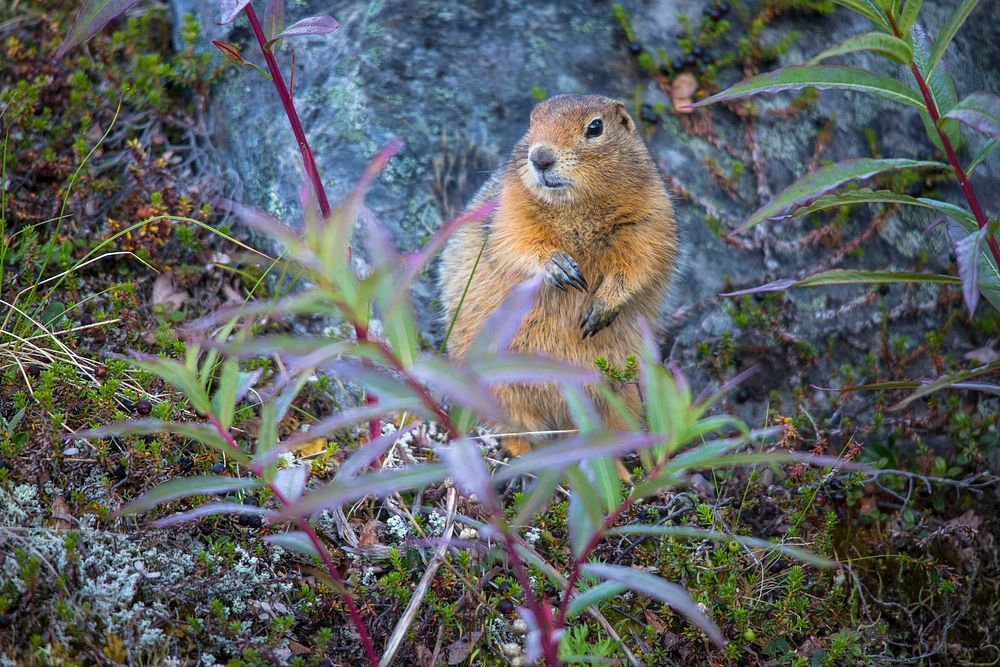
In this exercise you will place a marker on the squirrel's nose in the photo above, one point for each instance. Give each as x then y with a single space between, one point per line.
542 157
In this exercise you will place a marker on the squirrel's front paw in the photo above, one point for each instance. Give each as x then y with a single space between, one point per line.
562 270
597 316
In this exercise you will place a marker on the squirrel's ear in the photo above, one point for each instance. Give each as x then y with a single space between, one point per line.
624 118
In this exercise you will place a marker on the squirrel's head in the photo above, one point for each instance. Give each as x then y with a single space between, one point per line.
579 147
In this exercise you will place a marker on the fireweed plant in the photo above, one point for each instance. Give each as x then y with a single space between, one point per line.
677 436
925 85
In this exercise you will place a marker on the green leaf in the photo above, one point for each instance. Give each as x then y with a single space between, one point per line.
92 16
911 10
179 375
847 277
868 9
822 77
376 484
825 179
224 400
593 596
203 433
186 487
879 42
946 381
295 541
700 534
869 196
658 589
584 517
949 31
981 274
941 87
988 148
980 111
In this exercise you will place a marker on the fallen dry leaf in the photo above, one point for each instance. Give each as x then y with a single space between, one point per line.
681 90
166 294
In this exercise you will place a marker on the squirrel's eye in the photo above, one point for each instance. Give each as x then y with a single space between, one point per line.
595 128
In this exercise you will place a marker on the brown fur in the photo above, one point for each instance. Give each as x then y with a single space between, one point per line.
615 220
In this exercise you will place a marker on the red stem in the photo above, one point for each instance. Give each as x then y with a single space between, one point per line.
960 175
352 608
308 161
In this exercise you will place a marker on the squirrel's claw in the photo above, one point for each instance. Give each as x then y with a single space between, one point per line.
562 270
597 317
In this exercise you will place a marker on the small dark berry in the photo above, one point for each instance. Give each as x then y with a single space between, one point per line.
6 620
218 468
701 68
86 320
758 297
698 52
725 8
185 463
34 370
952 257
690 60
4 465
716 15
120 472
839 496
741 395
101 372
707 58
777 566
251 520
883 290
503 586
664 70
143 406
505 606
650 116
325 662
708 10
250 500
551 590
635 48
680 34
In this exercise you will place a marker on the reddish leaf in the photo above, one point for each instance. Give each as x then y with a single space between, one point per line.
314 25
93 15
230 52
230 9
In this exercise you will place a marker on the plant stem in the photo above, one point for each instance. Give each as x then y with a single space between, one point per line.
324 554
539 608
960 175
293 117
308 161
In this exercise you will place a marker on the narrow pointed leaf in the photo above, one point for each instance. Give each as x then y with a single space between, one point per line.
941 87
230 52
950 29
295 541
868 9
887 45
797 553
458 385
274 18
869 196
593 596
822 77
186 487
230 9
848 277
537 498
987 150
377 484
980 111
977 262
907 17
465 462
92 16
576 449
370 451
203 433
824 179
946 381
211 509
503 324
291 481
967 253
530 370
313 25
659 589
177 374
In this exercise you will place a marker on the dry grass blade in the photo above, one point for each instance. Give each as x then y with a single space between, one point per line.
406 620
